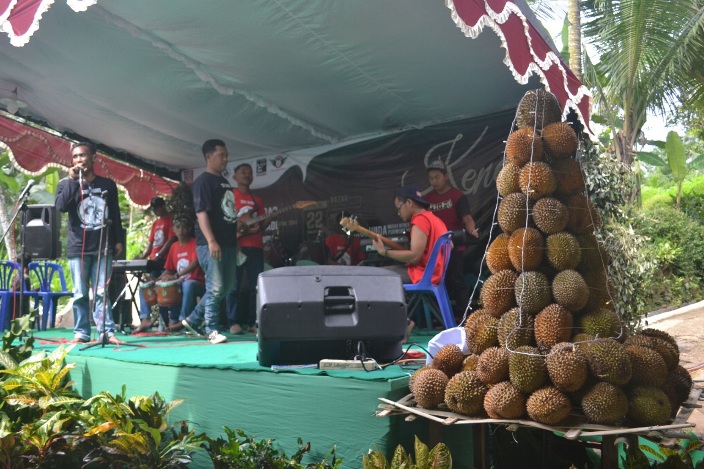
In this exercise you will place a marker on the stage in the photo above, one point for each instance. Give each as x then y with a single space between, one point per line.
223 385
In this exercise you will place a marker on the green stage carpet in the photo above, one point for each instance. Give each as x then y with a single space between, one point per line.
223 385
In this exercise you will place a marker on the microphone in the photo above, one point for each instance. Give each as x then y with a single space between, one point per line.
25 191
80 177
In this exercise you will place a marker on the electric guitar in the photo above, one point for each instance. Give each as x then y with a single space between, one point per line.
350 224
246 223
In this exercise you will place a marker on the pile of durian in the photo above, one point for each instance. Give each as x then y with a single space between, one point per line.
548 343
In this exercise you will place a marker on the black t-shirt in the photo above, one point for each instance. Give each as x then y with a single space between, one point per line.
213 194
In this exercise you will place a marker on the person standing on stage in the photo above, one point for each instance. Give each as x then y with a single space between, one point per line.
161 237
250 240
90 200
452 207
216 239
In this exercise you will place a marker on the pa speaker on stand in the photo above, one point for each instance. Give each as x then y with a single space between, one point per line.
41 232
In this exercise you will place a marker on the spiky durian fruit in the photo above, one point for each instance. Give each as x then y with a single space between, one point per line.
609 361
525 249
448 360
418 372
601 290
429 387
548 405
536 180
563 251
481 334
537 109
492 366
602 322
677 386
526 369
553 325
550 215
582 338
507 179
648 366
559 140
514 210
650 332
495 294
465 393
470 362
594 256
505 401
497 258
522 146
605 404
583 216
567 367
569 177
668 351
533 291
570 290
515 328
648 405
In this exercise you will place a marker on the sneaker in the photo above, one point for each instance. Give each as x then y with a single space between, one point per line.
252 330
216 338
190 328
236 329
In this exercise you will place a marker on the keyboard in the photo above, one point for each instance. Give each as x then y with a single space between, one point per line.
135 265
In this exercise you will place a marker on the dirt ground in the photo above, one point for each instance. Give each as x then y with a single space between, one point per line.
686 325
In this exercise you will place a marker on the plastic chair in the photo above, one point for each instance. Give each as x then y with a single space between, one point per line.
45 272
425 285
8 272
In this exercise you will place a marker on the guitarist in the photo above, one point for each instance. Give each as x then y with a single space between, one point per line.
250 241
342 248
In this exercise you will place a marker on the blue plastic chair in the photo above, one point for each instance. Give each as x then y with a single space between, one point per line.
45 272
8 272
425 285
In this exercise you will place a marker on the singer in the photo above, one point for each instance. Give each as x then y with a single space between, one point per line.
86 197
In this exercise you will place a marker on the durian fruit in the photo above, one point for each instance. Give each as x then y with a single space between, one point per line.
533 291
648 366
608 361
497 258
537 109
583 216
513 213
669 352
550 215
526 369
650 332
504 401
481 334
559 140
601 290
465 393
648 405
470 362
602 322
594 256
536 180
515 328
492 366
495 295
429 387
570 290
548 405
569 177
448 360
418 372
582 337
522 146
507 179
553 324
567 367
563 251
525 249
678 385
605 404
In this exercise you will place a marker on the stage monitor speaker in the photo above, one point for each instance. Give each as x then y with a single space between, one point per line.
41 232
308 313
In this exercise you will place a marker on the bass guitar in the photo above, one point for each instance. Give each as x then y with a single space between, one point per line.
247 224
350 224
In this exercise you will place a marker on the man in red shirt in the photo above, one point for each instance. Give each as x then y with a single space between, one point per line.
452 207
250 257
342 248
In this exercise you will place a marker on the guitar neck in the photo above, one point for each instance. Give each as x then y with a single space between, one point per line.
273 213
371 234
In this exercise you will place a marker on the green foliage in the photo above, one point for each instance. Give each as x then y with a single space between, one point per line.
437 458
646 456
609 182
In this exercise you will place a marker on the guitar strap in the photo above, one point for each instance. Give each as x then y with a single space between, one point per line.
342 253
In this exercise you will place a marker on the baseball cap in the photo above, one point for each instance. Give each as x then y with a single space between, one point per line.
437 165
156 203
413 193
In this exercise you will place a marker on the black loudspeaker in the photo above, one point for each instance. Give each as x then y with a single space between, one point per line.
309 313
41 232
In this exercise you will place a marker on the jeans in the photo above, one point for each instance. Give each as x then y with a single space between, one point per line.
252 267
219 280
86 274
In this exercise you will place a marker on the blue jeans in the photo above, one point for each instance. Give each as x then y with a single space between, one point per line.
219 279
252 267
86 273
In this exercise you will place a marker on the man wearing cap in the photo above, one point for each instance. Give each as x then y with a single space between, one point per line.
452 207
